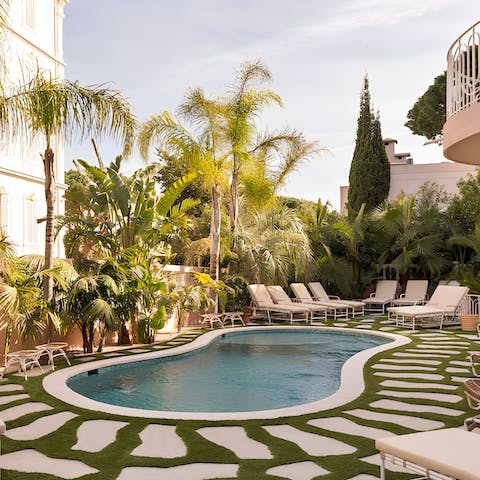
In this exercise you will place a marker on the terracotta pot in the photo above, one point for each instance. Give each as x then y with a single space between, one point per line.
469 322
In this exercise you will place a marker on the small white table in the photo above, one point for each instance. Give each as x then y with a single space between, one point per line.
23 358
232 317
53 349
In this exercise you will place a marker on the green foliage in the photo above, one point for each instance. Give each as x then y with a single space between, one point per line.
369 179
428 114
464 209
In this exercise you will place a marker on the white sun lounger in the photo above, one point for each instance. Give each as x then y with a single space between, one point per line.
385 293
319 294
449 454
280 297
443 305
415 294
302 295
264 303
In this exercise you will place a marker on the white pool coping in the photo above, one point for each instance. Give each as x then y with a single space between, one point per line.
351 383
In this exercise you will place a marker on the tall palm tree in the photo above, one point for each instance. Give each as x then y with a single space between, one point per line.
204 152
47 107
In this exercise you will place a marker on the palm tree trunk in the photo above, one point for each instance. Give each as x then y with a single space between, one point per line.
234 198
215 236
49 165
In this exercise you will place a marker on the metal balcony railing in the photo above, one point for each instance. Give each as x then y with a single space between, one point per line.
470 305
463 75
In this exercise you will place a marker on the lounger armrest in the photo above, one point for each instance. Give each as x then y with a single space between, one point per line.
334 297
372 295
402 295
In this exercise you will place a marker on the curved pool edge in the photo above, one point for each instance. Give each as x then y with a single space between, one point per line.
351 387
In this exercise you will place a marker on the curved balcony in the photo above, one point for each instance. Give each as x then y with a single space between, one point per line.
461 132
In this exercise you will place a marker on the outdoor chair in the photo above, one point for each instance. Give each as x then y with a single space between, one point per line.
280 297
441 308
264 303
471 388
446 454
302 295
415 294
384 294
319 294
475 363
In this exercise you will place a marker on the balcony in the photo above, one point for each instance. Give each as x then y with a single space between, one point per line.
461 132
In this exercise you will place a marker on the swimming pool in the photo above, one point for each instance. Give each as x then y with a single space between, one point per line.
207 354
239 371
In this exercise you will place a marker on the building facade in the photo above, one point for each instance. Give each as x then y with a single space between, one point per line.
32 41
406 177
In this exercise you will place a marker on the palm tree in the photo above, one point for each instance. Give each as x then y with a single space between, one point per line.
408 243
204 152
49 108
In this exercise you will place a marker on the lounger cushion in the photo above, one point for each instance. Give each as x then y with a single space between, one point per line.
452 451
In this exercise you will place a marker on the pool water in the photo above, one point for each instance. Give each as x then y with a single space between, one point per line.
239 371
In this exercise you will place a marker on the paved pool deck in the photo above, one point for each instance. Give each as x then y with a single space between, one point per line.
416 386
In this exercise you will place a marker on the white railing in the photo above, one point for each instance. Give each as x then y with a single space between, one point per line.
463 76
470 305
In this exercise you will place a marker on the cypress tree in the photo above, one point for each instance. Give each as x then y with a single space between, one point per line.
370 169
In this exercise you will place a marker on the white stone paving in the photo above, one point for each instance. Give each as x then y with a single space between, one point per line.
236 440
414 423
418 354
433 346
160 441
422 376
18 411
160 347
298 471
40 427
13 398
310 443
375 460
95 435
31 461
11 387
387 329
413 407
459 379
86 359
457 370
113 354
460 363
138 350
191 471
435 350
438 397
363 476
343 425
404 368
410 360
413 385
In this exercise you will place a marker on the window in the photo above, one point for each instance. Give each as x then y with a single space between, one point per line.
4 212
29 14
33 231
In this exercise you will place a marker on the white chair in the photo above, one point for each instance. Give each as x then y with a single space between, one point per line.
415 294
441 308
319 294
447 454
280 297
264 303
385 293
302 295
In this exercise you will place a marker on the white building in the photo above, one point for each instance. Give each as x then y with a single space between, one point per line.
33 40
406 177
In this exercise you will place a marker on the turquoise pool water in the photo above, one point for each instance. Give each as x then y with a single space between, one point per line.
238 372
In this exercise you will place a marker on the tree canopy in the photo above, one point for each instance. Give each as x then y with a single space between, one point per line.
428 114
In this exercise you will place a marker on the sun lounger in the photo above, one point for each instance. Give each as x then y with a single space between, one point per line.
302 295
447 454
280 297
440 309
415 294
319 294
264 303
385 293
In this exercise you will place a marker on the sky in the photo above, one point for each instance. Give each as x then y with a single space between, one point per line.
318 51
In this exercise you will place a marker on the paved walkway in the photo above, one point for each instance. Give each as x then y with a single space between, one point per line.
417 387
